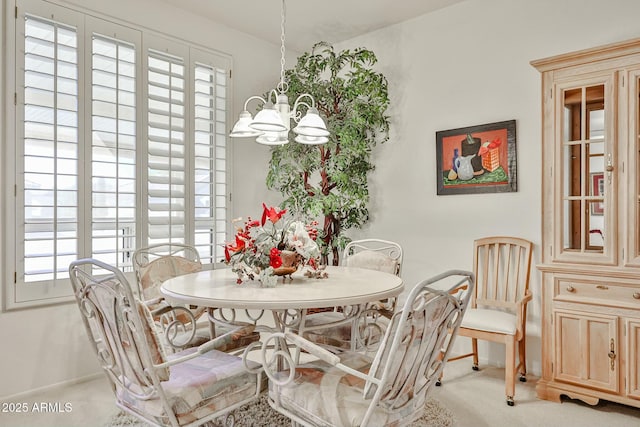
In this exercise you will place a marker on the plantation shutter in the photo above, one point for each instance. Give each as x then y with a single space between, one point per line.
113 145
50 151
166 168
119 134
210 200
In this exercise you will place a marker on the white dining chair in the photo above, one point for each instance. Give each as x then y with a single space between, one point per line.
154 265
185 389
387 388
352 327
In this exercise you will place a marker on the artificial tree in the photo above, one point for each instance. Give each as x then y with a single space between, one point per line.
330 180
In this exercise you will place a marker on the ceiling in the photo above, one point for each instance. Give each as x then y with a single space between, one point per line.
309 21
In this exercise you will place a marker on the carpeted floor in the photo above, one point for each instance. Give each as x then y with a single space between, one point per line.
261 414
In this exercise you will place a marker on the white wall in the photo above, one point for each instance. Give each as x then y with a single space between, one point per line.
45 346
462 66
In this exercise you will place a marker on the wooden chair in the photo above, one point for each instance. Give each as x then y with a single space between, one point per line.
389 387
186 389
154 265
498 310
331 327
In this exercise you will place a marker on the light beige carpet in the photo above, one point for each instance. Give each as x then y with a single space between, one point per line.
261 414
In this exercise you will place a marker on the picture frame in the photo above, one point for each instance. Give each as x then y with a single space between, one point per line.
477 159
597 189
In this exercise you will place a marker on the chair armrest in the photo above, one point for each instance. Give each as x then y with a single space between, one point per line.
312 348
520 309
165 308
154 301
281 350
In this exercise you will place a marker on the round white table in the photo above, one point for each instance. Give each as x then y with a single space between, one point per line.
344 286
347 287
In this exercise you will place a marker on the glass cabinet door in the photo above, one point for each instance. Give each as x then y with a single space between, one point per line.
585 164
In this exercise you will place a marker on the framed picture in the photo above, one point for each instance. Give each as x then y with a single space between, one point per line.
477 159
597 189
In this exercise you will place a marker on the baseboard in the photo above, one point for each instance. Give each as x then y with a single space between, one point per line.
50 387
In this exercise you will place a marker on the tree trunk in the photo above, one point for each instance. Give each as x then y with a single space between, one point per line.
331 230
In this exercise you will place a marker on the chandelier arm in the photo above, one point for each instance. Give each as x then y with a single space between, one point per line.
296 115
274 93
246 103
300 102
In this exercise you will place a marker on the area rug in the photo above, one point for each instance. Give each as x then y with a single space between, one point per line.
260 413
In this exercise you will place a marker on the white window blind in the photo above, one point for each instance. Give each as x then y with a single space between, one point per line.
50 149
210 201
166 170
119 144
113 151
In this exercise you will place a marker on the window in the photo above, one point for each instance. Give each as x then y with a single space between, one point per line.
120 143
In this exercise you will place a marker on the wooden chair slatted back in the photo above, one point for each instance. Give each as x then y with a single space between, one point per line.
502 266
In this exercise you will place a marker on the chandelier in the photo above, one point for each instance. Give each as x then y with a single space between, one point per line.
272 123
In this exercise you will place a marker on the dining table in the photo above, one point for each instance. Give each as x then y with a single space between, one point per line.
289 300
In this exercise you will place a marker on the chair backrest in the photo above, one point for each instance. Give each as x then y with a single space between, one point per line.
157 263
119 327
415 347
374 254
502 266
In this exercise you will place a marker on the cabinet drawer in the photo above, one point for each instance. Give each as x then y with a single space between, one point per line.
595 292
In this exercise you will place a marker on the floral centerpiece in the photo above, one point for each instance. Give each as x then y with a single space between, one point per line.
274 246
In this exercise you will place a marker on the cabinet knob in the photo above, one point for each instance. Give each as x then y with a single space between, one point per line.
636 295
571 289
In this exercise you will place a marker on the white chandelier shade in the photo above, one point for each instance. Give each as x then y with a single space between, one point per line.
272 123
242 130
311 140
273 138
268 120
312 124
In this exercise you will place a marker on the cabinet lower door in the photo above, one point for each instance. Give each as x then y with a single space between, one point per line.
586 350
633 358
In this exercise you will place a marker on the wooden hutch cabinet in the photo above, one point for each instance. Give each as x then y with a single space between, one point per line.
591 225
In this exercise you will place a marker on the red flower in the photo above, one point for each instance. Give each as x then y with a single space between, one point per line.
227 255
312 263
271 213
253 223
275 261
240 245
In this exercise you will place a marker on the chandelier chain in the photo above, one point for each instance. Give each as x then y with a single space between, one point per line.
282 86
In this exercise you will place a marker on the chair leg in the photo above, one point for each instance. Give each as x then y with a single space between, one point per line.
439 380
474 348
510 370
522 353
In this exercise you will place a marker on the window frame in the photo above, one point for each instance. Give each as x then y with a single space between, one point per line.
16 292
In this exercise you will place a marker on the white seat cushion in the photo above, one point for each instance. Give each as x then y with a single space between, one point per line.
489 320
373 261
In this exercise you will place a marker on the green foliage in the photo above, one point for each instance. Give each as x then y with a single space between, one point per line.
330 180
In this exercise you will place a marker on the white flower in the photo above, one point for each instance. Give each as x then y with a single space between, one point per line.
298 239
